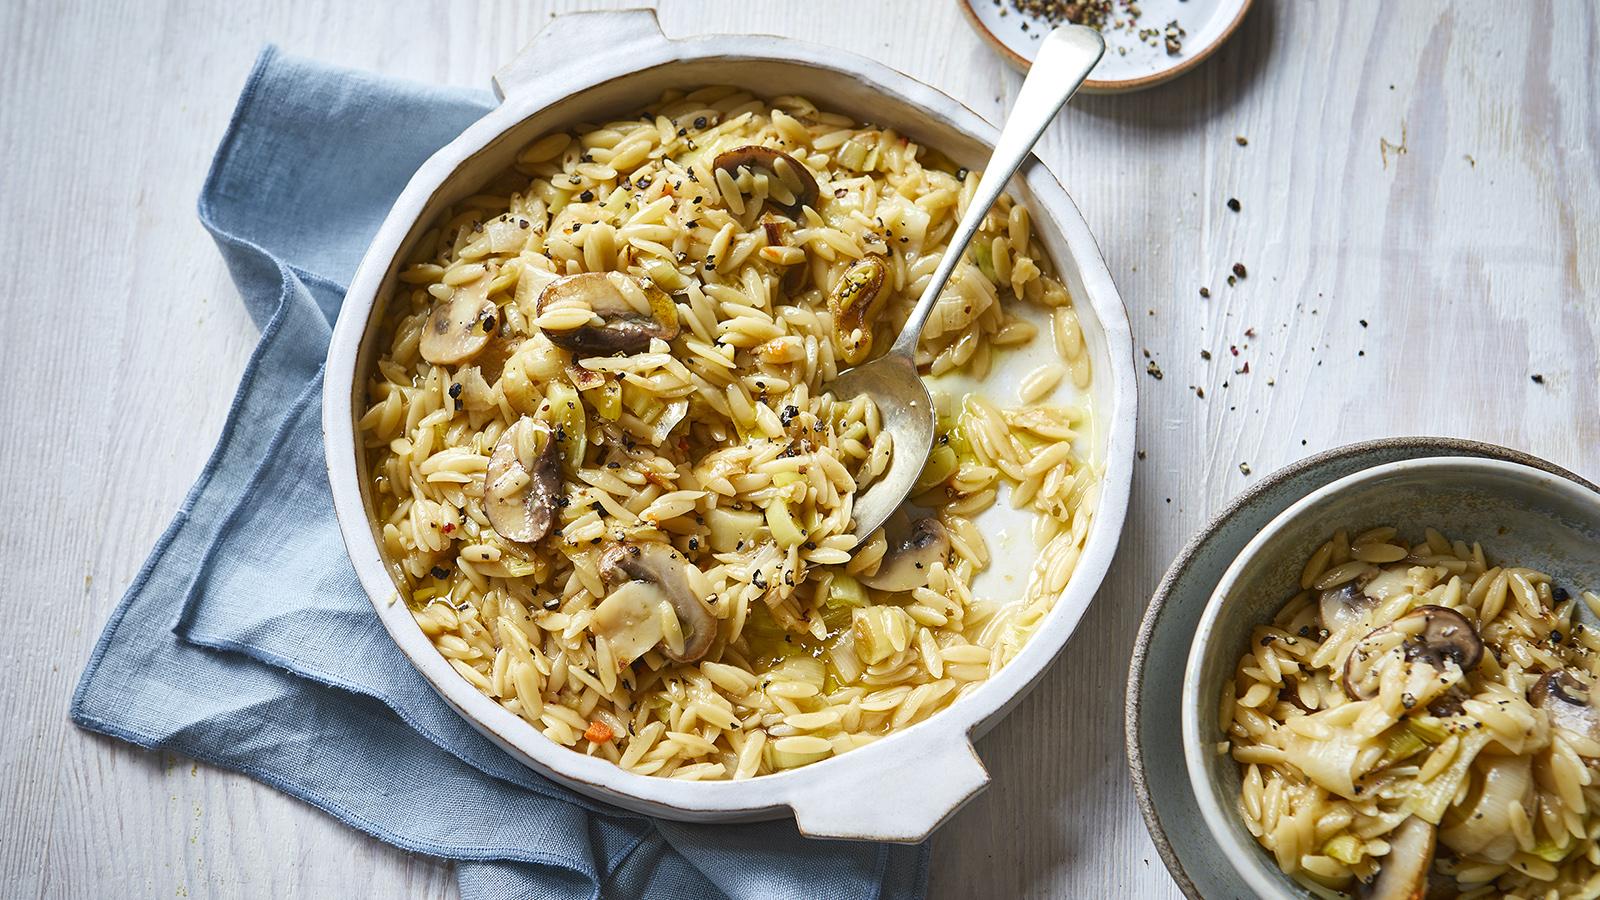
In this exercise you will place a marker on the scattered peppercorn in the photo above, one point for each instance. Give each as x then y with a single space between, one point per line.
1238 269
1538 379
1241 141
1244 468
1233 203
1205 292
1205 354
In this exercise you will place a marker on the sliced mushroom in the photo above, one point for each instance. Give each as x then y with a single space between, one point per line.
623 327
1429 634
1569 702
782 170
913 549
1343 606
1403 874
459 328
1450 703
1445 634
523 482
664 573
854 303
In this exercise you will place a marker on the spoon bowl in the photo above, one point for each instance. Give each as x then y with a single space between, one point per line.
1066 56
909 423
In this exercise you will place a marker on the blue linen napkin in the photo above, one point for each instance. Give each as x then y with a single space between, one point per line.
246 640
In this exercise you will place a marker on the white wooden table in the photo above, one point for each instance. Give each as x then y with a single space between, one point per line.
1420 223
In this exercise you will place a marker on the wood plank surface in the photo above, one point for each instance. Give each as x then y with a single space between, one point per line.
1418 187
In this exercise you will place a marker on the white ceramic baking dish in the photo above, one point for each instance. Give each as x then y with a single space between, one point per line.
585 67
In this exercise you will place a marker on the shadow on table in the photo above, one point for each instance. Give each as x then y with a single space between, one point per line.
1060 797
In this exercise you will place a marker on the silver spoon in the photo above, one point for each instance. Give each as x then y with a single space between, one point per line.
1065 58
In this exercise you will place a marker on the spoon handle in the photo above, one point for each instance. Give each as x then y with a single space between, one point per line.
1065 59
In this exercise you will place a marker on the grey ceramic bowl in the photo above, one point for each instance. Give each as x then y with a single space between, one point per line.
1518 513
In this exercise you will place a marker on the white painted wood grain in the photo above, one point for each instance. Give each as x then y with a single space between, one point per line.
1431 172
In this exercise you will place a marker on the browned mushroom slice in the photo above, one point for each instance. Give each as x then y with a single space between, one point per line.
1570 703
786 175
854 303
913 549
1428 634
460 327
1403 873
1343 606
523 482
665 573
623 326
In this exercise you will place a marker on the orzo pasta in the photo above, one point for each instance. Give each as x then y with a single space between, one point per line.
611 489
1419 718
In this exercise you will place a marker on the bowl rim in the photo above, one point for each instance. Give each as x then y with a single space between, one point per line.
1248 859
770 794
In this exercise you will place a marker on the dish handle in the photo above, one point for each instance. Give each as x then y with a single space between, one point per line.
572 38
903 803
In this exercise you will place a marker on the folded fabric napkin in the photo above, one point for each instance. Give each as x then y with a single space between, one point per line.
246 640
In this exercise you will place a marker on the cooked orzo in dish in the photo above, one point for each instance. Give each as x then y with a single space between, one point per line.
1419 719
611 489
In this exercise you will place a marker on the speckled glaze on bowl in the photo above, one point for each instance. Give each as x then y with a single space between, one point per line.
584 67
1153 707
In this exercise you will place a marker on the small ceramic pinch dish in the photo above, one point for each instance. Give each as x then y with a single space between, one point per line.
1147 42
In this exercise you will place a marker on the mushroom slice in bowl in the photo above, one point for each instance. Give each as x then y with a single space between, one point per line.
602 313
523 482
1434 635
790 185
855 302
459 328
1403 873
1345 605
661 576
1569 701
912 551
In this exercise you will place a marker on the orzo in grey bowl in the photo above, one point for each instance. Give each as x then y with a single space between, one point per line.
1390 692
